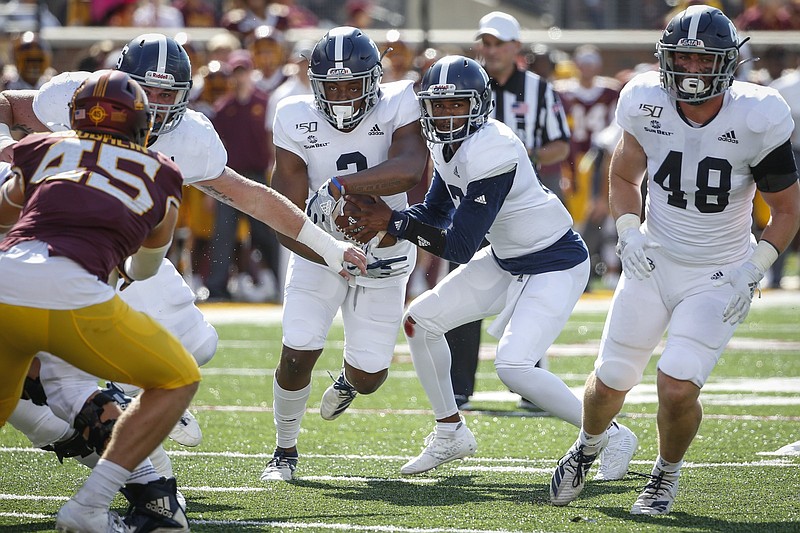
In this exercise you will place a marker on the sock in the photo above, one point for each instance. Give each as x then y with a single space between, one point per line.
143 474
592 442
102 485
161 462
666 466
449 427
289 407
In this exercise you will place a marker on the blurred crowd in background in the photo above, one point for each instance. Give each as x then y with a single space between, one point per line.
244 70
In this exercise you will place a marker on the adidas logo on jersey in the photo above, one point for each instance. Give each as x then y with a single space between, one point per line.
716 275
160 506
480 200
729 137
375 131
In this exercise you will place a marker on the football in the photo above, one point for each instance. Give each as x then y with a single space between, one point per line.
351 210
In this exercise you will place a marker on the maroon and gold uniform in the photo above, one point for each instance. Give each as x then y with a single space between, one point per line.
75 185
90 201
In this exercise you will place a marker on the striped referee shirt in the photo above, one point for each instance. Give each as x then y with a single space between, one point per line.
529 106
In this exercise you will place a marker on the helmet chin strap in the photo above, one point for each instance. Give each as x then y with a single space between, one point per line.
342 112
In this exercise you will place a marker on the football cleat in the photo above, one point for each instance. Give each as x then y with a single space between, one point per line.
442 447
569 476
617 455
154 507
658 495
337 398
281 467
187 431
74 517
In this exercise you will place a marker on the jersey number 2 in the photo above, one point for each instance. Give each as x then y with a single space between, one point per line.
708 198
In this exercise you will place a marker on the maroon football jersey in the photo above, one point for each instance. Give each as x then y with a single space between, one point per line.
588 111
91 197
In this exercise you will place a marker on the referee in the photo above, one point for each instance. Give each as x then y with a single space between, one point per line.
529 106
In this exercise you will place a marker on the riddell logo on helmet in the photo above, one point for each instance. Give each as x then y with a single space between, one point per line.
159 76
442 88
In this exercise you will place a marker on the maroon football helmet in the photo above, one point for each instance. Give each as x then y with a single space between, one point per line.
110 101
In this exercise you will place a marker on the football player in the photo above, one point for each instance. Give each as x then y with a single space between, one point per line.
705 143
356 135
162 67
80 202
531 275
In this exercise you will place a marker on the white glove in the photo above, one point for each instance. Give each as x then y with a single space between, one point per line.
744 281
322 209
631 247
381 268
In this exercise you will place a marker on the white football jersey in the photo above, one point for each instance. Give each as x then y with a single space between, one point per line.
194 145
301 129
700 186
531 217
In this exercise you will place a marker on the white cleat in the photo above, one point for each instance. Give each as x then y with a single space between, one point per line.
658 495
442 447
337 398
187 431
75 517
617 455
569 477
280 468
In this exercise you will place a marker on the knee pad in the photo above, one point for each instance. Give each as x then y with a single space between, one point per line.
204 350
298 338
619 375
424 311
683 368
89 418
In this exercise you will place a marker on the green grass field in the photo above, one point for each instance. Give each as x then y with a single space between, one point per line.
348 476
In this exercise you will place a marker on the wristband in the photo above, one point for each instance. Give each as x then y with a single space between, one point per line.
338 184
398 223
626 222
764 255
321 243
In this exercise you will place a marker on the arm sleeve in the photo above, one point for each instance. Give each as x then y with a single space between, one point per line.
777 170
470 223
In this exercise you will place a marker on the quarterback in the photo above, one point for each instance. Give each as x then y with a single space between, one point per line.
706 143
531 275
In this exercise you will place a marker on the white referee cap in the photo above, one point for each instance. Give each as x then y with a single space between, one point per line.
500 25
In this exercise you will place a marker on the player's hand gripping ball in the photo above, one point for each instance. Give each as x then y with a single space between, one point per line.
346 223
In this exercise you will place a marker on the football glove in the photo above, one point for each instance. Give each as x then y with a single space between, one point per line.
322 209
744 281
631 247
